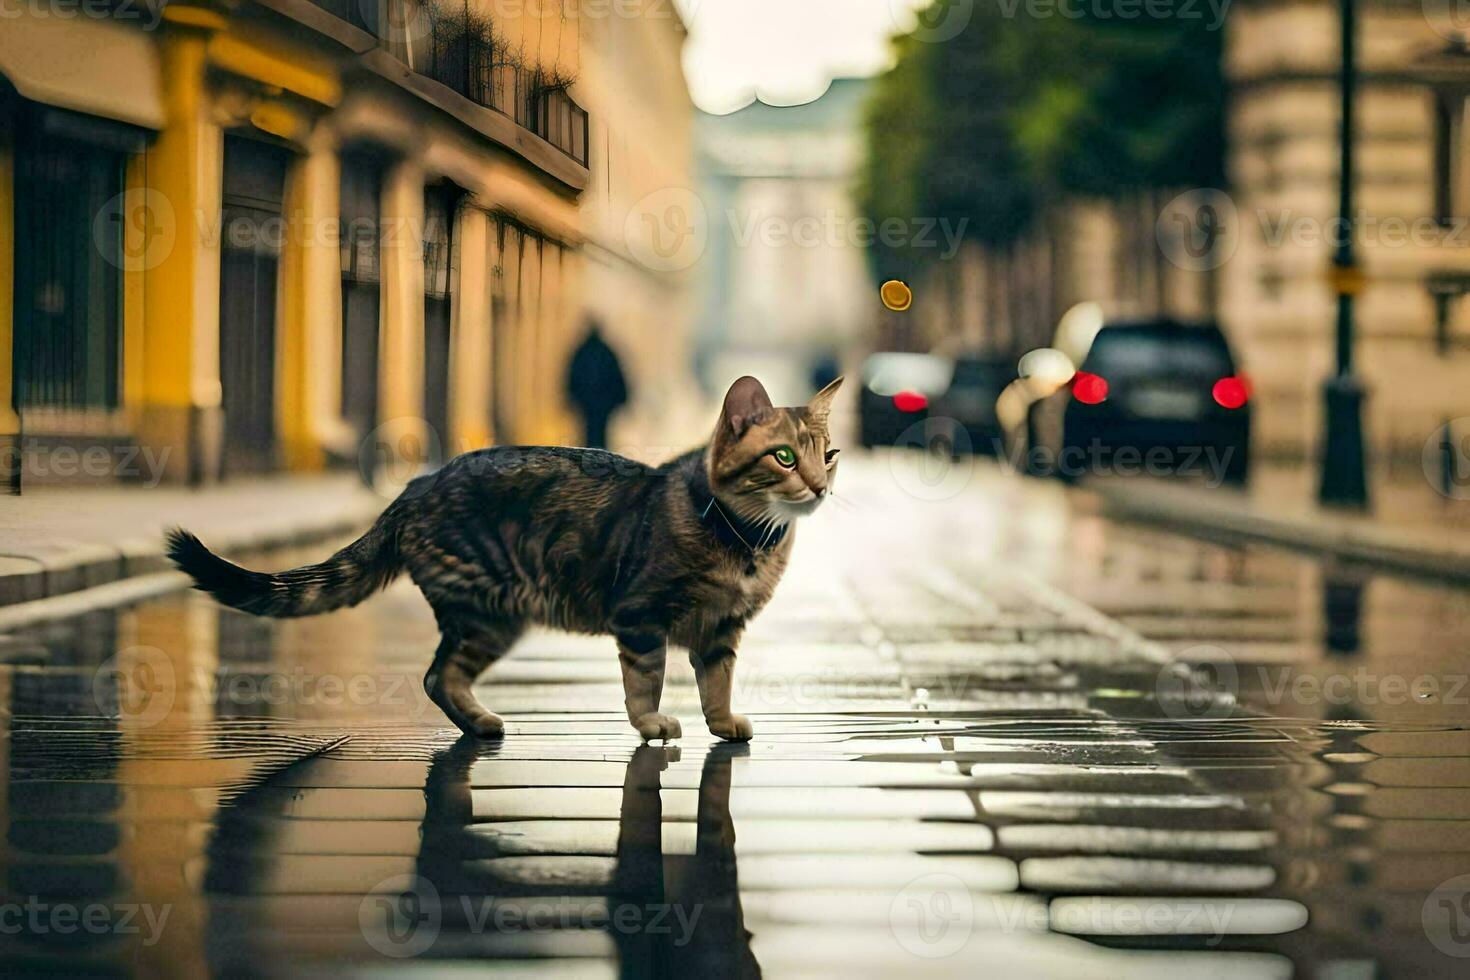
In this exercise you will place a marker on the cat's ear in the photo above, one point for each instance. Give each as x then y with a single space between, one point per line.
821 404
745 403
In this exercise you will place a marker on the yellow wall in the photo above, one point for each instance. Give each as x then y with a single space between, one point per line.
184 168
180 396
218 73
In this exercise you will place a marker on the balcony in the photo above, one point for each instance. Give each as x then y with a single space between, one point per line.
457 47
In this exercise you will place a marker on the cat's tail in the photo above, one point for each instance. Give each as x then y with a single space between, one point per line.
345 579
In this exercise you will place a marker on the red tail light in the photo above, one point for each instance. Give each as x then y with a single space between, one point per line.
1089 388
910 401
1231 392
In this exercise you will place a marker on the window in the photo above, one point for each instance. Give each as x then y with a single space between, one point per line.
68 274
1449 156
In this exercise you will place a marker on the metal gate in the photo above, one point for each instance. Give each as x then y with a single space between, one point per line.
251 234
68 269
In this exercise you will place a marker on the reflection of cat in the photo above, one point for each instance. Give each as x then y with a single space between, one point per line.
701 927
583 540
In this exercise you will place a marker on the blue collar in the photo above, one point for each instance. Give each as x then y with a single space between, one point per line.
731 529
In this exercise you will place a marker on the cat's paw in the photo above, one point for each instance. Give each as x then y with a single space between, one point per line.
486 725
736 728
654 725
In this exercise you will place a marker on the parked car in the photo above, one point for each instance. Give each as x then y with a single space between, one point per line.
965 415
897 392
1156 386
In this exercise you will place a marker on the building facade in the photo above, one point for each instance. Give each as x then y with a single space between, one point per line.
1256 254
1412 204
289 234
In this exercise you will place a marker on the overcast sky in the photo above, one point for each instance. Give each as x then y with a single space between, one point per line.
785 51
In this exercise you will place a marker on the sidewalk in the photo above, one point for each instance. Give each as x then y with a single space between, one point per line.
56 541
1411 527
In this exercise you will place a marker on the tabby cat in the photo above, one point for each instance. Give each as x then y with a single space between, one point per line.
583 540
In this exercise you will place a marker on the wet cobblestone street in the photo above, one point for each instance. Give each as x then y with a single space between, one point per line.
994 732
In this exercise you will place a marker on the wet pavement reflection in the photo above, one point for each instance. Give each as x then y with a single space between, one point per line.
994 731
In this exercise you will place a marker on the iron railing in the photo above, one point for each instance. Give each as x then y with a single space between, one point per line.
556 118
450 43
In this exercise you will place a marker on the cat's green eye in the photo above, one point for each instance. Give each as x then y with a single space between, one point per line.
785 455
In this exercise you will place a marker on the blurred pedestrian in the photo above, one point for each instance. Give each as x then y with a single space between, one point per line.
825 370
595 385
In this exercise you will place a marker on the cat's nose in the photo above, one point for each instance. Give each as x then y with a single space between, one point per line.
820 492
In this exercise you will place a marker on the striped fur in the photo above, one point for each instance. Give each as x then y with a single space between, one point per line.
578 539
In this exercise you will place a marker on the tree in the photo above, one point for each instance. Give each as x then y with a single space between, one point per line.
1012 111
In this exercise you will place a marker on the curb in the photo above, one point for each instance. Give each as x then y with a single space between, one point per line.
69 568
1347 537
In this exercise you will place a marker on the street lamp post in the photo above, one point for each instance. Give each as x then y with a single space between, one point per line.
1344 477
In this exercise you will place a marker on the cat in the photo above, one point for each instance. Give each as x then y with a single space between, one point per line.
583 540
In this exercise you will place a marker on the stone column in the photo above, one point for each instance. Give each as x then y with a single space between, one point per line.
401 342
310 381
180 398
469 338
